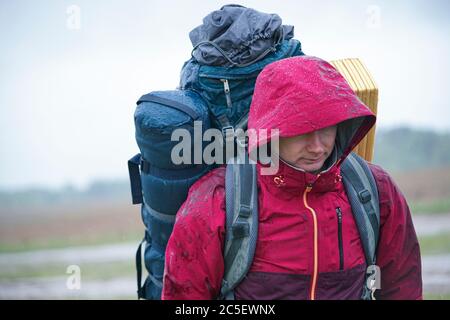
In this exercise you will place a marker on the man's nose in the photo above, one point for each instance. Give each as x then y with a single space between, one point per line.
314 144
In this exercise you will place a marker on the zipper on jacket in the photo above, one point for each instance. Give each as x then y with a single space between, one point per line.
226 89
341 246
316 248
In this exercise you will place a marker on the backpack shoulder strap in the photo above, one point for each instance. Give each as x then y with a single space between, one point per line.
241 224
362 192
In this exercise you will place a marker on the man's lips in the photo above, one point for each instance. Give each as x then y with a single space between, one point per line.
312 160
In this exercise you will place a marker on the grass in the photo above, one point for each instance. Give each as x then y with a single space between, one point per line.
89 271
75 241
436 296
433 206
435 244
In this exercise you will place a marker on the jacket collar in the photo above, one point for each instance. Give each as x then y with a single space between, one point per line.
295 181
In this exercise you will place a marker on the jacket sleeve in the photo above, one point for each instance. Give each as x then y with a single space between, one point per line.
398 254
194 260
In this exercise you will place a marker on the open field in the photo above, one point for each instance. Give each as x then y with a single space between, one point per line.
59 227
427 190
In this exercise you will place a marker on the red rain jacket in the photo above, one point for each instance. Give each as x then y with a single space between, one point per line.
300 253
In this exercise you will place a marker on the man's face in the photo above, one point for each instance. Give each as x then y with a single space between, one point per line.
309 151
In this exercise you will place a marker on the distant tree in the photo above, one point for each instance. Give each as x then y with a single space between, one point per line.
404 149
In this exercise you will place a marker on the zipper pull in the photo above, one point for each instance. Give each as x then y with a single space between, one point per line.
226 89
309 187
340 243
339 214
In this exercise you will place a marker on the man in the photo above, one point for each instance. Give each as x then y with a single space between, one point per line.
308 244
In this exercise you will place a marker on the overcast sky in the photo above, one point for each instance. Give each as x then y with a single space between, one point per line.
68 86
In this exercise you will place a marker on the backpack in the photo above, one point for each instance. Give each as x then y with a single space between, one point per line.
217 95
242 220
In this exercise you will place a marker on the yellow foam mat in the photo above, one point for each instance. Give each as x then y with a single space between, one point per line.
361 81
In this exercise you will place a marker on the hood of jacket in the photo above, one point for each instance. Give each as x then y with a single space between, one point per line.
303 94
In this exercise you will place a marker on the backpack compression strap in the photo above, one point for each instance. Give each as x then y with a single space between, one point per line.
135 178
149 97
362 192
241 224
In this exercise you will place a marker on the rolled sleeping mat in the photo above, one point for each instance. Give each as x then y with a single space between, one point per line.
362 83
165 185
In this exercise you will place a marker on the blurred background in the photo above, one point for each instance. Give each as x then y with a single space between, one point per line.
71 72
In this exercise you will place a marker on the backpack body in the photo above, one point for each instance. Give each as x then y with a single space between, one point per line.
158 184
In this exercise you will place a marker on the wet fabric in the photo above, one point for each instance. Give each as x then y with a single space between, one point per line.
236 36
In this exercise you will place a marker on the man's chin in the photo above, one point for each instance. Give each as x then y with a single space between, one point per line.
311 168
